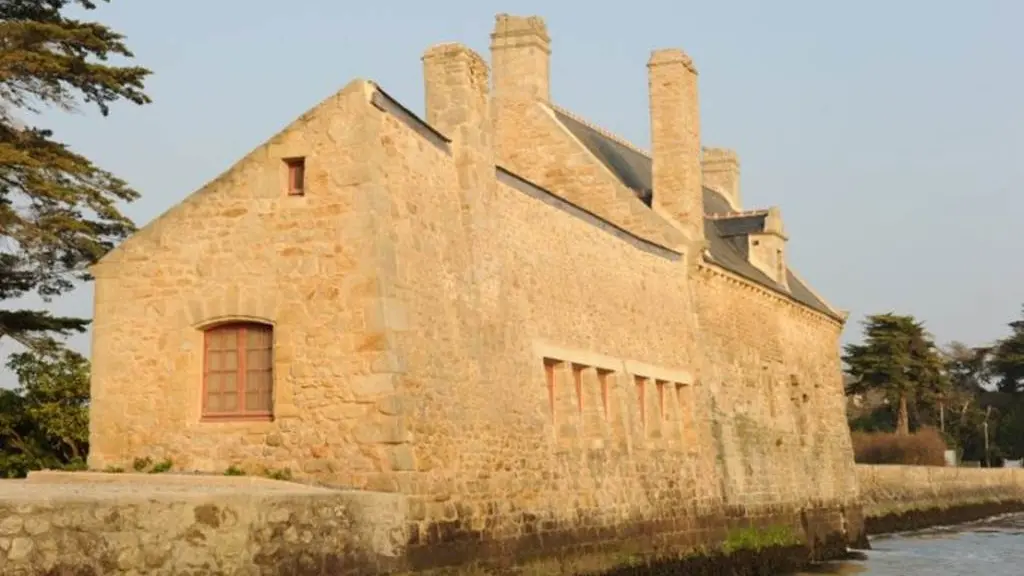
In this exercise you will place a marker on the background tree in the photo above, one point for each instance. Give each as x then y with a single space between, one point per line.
899 359
58 211
45 422
1006 362
58 215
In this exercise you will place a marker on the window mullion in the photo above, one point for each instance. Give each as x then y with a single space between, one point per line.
242 353
206 371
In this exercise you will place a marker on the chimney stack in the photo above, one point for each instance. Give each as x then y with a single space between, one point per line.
675 141
520 57
722 174
458 106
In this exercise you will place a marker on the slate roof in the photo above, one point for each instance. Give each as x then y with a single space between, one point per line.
633 169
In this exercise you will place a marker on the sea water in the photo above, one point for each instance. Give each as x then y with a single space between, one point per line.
993 547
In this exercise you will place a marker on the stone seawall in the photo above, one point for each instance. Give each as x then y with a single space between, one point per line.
98 524
897 498
91 524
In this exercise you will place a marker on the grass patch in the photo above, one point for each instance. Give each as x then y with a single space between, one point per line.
161 467
234 471
284 474
759 538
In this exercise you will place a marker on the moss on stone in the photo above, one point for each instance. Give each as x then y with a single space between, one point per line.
760 538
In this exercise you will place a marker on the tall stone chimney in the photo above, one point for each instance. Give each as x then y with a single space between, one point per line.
458 106
520 57
675 141
722 174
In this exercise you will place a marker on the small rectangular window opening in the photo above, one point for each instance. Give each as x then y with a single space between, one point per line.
296 176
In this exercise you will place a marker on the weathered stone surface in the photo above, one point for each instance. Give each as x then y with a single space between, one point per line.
20 549
189 525
11 525
892 489
526 366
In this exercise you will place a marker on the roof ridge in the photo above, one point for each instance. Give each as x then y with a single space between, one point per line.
602 131
737 214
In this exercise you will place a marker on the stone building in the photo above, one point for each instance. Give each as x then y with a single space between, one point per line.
530 330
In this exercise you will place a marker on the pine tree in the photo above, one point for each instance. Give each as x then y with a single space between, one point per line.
1007 360
900 359
58 211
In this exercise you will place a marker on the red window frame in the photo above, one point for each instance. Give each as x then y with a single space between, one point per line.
240 330
296 176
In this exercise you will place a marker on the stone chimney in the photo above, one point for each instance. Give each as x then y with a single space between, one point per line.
675 141
520 57
722 174
767 249
458 106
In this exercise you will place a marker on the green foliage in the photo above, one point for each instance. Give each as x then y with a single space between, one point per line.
58 211
234 471
161 467
1007 360
142 464
759 538
973 390
900 359
284 474
44 423
881 419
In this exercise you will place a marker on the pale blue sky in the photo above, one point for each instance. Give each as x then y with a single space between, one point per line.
890 133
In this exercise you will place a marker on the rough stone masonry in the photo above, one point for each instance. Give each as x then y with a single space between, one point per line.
539 337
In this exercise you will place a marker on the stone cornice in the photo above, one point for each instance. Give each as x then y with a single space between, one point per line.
711 268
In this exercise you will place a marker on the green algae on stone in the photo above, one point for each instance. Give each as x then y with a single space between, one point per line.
778 536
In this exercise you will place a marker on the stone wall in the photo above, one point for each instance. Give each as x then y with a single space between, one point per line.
535 369
898 497
312 266
772 370
92 525
563 391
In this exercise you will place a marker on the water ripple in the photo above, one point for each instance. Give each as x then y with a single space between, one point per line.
991 547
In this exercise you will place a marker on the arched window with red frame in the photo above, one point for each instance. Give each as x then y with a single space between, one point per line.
238 373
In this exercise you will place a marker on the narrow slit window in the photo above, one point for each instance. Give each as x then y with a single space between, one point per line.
661 399
577 378
296 176
549 376
602 378
641 399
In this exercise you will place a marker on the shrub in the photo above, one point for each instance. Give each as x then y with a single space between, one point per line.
161 467
922 448
284 474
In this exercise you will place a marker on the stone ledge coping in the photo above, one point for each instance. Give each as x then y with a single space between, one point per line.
17 492
169 480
